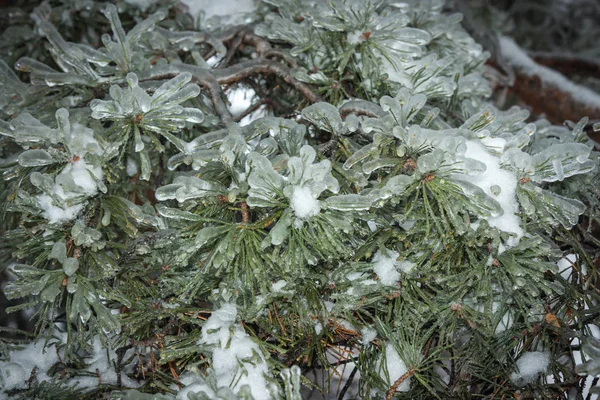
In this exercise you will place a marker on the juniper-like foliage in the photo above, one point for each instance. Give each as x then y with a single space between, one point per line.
371 226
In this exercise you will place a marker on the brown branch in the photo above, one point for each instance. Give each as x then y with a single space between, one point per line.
544 98
235 45
262 66
568 64
359 107
202 77
213 78
250 110
394 387
279 54
245 213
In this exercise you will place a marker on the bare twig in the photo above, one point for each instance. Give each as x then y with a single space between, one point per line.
394 387
212 79
250 110
348 383
360 107
261 66
279 54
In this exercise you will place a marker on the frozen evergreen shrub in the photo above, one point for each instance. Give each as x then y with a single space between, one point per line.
367 225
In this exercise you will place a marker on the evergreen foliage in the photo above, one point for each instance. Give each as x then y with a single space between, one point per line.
372 226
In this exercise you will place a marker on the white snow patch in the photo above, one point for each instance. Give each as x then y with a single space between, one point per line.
529 366
304 203
83 176
278 286
519 59
328 305
355 37
395 368
318 328
405 266
236 359
501 249
241 99
131 168
507 182
15 373
384 265
55 214
368 335
78 173
101 362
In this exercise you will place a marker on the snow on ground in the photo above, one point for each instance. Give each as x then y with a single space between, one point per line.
516 57
219 8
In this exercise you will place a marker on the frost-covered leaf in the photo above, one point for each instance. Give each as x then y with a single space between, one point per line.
404 106
188 187
348 202
35 158
326 117
561 161
551 207
70 266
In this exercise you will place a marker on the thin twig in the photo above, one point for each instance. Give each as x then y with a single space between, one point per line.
279 54
250 110
235 45
394 387
245 213
261 66
212 79
348 383
361 108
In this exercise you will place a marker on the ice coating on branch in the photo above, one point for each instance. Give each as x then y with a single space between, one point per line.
499 184
236 358
355 37
141 4
529 366
161 111
384 265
